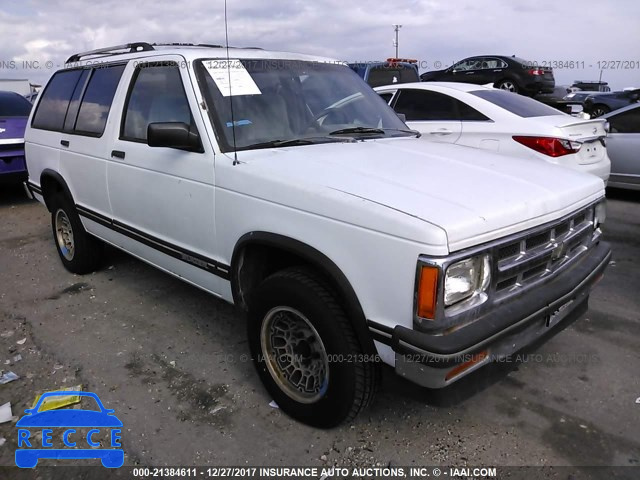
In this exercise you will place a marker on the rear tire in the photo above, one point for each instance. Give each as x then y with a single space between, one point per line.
508 85
79 252
306 351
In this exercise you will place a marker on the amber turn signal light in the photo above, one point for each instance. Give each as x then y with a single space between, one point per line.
475 359
427 292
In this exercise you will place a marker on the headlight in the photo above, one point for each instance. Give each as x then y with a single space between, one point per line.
600 214
465 278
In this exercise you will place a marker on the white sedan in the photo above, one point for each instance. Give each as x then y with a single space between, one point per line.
500 121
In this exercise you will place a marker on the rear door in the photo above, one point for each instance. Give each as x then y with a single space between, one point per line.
493 69
84 151
433 114
623 146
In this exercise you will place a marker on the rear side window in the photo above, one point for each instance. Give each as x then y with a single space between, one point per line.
517 104
54 103
96 103
14 105
157 95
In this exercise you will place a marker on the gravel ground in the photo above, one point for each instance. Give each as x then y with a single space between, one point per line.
172 361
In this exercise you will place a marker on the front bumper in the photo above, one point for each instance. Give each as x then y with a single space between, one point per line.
430 360
13 168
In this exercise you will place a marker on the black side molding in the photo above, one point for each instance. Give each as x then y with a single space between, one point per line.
208 264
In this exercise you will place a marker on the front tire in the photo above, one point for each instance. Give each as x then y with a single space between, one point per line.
79 252
306 351
599 110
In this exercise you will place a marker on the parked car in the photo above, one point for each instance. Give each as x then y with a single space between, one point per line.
394 70
590 86
623 145
580 97
507 73
346 240
14 111
493 119
603 103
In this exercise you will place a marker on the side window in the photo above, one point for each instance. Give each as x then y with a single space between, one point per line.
469 64
157 95
626 122
74 105
54 103
386 96
469 114
96 103
492 63
425 105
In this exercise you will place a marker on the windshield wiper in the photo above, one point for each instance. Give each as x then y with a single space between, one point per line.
292 142
366 130
374 131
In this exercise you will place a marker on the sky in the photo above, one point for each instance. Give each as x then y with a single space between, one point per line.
591 33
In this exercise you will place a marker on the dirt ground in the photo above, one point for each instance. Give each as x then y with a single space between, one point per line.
173 363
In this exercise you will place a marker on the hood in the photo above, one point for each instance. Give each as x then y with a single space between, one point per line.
472 195
12 128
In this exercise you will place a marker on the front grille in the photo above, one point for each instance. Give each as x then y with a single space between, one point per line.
540 253
11 147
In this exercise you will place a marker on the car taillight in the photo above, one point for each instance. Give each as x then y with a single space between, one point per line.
536 71
554 147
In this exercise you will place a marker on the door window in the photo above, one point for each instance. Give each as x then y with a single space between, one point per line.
626 122
157 95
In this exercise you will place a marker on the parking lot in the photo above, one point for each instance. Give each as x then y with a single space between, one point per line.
173 363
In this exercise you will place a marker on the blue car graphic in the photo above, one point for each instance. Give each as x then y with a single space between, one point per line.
68 418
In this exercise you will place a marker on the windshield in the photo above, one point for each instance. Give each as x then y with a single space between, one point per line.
270 103
517 104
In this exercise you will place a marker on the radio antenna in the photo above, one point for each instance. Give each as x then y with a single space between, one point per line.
233 120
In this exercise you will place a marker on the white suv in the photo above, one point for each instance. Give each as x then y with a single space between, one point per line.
283 184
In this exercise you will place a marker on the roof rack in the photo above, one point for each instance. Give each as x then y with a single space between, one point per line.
140 47
131 47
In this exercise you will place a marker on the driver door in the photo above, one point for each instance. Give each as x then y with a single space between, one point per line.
162 197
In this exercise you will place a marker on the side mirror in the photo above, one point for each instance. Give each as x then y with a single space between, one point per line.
402 117
174 135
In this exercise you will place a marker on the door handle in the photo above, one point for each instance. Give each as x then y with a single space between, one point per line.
117 154
441 131
64 143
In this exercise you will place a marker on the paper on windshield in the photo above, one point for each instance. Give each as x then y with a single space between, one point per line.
231 77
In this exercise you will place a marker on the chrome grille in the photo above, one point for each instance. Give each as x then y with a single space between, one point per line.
541 253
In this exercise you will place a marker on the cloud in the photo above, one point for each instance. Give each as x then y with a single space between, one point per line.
433 30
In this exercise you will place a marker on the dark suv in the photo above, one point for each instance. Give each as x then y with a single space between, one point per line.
508 73
598 105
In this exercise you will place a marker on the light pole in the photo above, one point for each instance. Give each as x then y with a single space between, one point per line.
396 27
